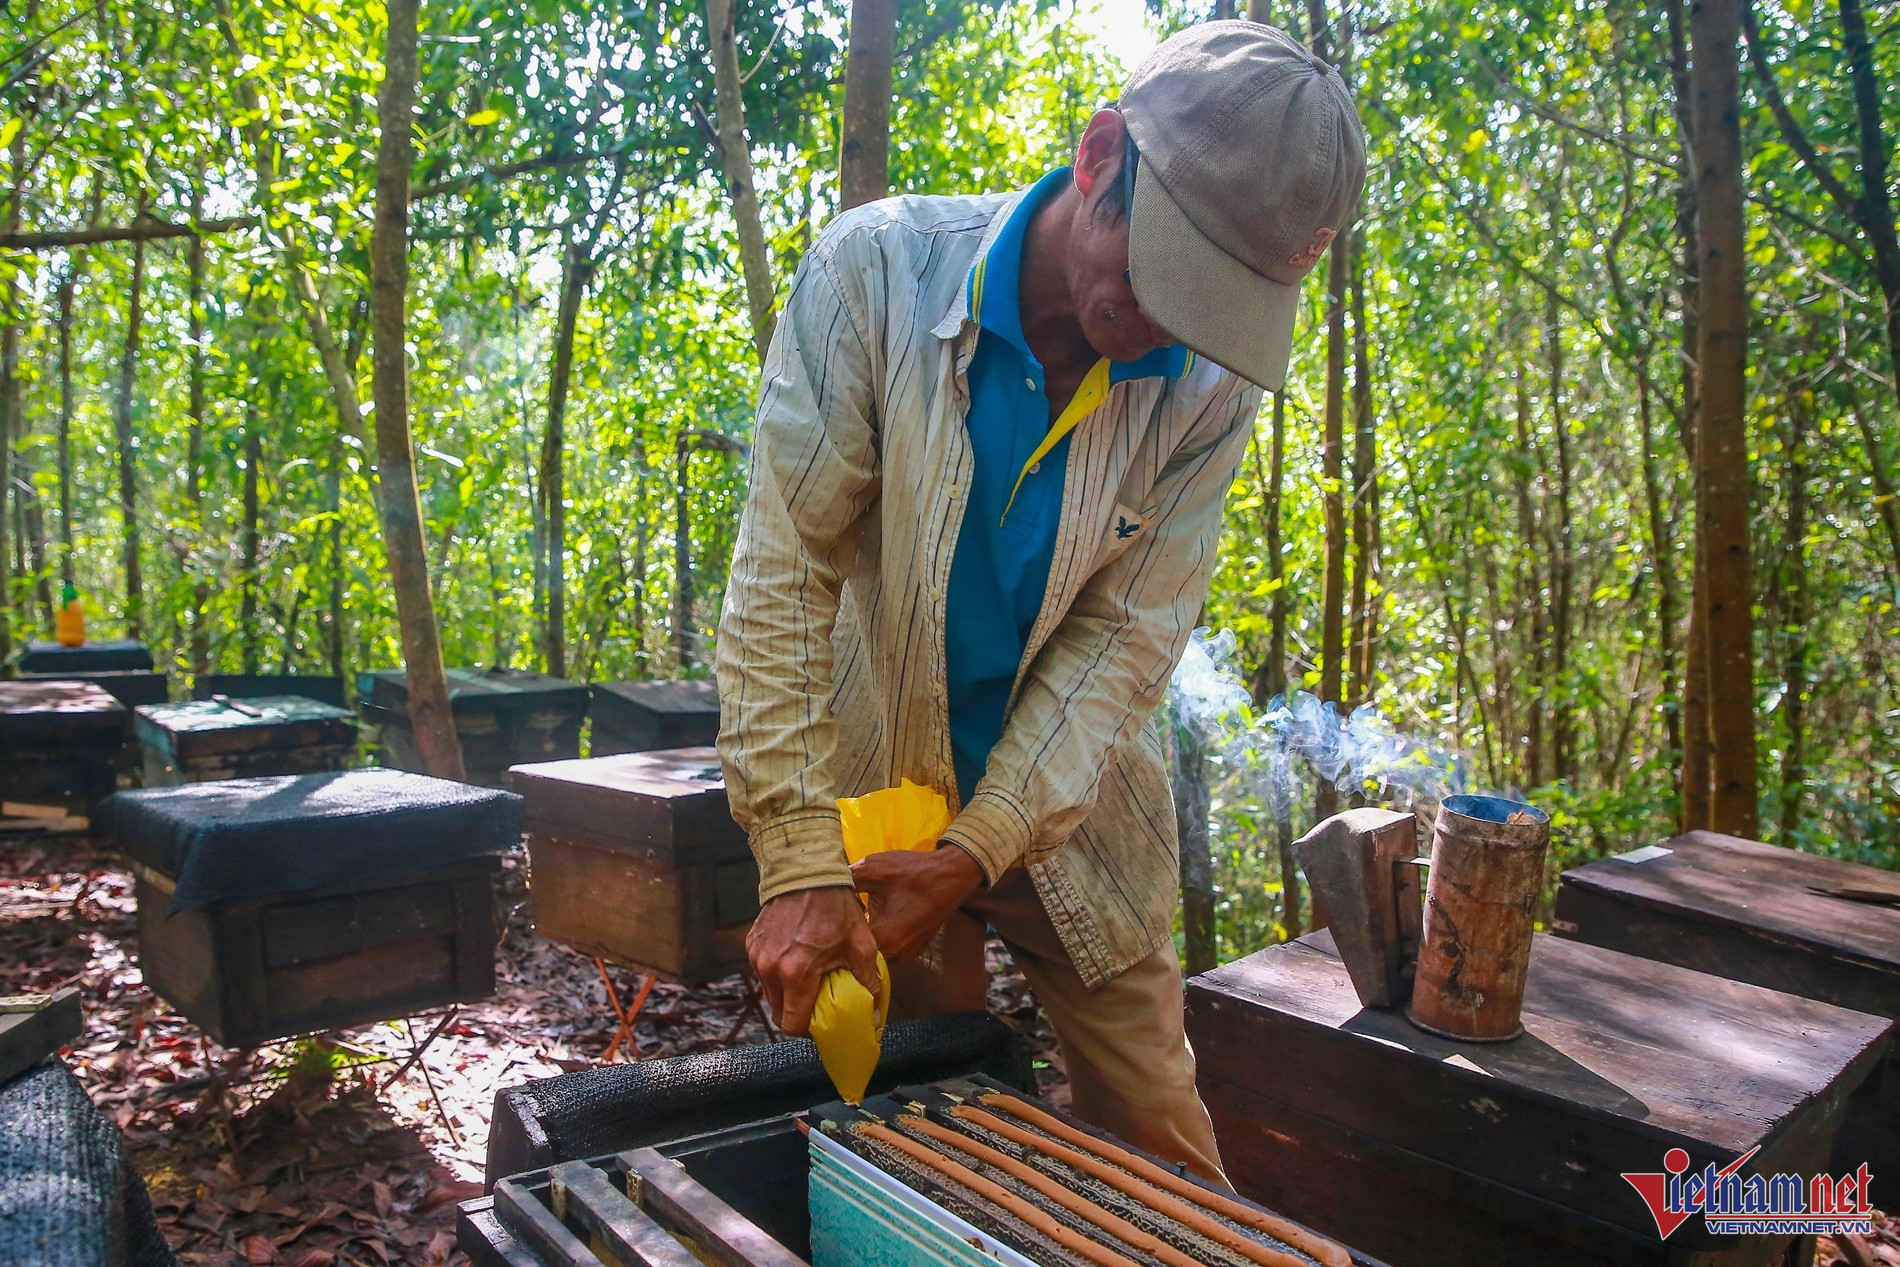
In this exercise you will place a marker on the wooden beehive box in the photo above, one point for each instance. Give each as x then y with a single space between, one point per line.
635 858
60 744
271 907
648 716
1426 1151
213 739
322 687
503 717
107 655
1773 917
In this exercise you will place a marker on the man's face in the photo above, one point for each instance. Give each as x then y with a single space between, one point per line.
1105 303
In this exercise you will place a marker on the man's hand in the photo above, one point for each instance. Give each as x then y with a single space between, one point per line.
798 938
912 894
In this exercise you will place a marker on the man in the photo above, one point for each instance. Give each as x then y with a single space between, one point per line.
993 445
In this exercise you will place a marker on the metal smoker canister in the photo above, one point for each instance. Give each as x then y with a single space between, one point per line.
1487 870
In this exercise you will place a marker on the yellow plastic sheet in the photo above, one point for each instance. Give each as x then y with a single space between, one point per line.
848 1026
908 816
846 1022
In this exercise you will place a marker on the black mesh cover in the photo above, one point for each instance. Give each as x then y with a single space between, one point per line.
244 838
88 657
616 1107
68 1196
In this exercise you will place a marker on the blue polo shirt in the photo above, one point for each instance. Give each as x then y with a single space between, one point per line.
1008 539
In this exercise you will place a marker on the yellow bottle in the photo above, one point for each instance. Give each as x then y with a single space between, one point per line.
69 621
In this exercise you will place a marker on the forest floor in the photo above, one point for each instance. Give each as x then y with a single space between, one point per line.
281 1157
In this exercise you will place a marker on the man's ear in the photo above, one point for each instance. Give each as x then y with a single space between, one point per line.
1099 155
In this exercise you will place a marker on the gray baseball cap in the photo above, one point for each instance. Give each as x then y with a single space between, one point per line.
1252 161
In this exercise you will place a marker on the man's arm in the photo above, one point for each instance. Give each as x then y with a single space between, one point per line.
815 469
1099 677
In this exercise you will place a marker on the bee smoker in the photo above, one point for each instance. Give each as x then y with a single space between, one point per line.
1459 962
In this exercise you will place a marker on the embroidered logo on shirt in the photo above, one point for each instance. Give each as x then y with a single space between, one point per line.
1124 529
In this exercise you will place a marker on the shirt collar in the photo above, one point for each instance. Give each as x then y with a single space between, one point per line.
991 292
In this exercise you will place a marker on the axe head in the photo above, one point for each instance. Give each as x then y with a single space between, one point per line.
1363 871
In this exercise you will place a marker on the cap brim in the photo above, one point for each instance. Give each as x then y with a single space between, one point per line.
1203 296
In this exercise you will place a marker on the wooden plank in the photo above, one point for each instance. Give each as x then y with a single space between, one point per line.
299 932
1753 886
486 1240
618 1231
35 1031
476 934
1623 1059
205 728
681 1203
377 983
669 803
1408 1209
642 927
534 1223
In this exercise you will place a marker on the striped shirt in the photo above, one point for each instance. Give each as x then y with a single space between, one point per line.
831 660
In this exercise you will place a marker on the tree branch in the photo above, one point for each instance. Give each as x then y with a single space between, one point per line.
1791 130
141 231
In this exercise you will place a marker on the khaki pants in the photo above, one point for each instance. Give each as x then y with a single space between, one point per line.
1130 1068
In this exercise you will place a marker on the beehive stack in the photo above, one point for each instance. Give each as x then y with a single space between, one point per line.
1039 1185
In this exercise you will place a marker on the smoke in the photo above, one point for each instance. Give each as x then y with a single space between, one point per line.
1270 759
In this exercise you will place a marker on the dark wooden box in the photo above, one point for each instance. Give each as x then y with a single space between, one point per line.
1431 1152
252 971
60 743
1751 912
110 654
321 687
648 716
635 858
274 734
503 717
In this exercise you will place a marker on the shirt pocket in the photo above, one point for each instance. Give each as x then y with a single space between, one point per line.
1125 528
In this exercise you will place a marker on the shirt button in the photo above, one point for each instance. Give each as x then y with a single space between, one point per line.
955 492
1034 467
1030 383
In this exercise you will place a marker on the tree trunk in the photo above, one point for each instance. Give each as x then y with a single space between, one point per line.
1291 922
1889 496
128 466
1662 552
194 450
1260 11
574 270
683 559
1531 590
395 459
334 503
864 169
1191 803
1365 493
10 403
64 440
247 618
1795 624
1332 446
1722 474
736 161
1563 560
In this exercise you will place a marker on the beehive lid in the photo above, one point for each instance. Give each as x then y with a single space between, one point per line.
246 838
672 800
668 700
1825 906
204 727
49 711
325 688
42 656
505 691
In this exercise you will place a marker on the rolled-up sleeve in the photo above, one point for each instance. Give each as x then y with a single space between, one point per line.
1098 678
815 471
